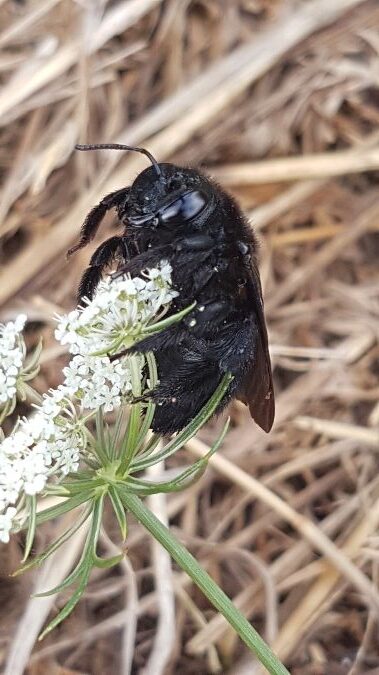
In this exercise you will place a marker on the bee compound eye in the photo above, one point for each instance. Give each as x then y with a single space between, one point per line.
184 208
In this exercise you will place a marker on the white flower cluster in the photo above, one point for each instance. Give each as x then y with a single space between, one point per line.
52 441
96 381
119 311
12 354
112 321
48 443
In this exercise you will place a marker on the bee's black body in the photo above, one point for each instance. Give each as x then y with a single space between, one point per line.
213 255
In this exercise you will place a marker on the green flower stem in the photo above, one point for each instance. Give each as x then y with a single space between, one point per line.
134 419
101 444
206 584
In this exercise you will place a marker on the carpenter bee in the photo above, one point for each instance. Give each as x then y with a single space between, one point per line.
182 216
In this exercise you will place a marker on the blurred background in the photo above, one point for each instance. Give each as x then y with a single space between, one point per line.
278 100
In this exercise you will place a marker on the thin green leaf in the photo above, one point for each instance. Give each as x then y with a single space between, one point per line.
108 438
153 372
33 360
150 409
146 423
32 521
94 536
107 563
96 523
118 432
67 534
150 446
86 557
58 510
56 491
81 486
128 448
181 482
119 510
190 430
67 609
67 581
83 474
165 323
100 445
218 441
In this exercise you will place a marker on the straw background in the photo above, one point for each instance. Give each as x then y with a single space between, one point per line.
279 100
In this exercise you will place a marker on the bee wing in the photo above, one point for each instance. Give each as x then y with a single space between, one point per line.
257 390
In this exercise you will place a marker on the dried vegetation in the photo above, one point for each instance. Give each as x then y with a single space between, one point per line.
279 99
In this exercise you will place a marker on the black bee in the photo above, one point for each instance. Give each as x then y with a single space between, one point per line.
182 216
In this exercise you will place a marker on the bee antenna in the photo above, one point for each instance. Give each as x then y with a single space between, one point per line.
119 146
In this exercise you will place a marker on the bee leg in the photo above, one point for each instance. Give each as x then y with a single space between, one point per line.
127 248
100 259
234 349
183 389
171 337
195 242
142 261
145 398
96 215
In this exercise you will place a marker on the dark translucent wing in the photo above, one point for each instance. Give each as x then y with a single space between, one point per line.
257 390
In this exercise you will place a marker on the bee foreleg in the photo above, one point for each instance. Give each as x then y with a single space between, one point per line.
100 259
96 215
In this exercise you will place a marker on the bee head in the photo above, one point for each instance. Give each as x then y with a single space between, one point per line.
164 195
176 197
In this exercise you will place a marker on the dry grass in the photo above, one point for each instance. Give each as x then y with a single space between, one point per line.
279 99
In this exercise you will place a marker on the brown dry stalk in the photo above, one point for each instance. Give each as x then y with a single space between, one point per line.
303 525
324 257
116 20
333 429
37 609
323 165
250 598
307 612
304 235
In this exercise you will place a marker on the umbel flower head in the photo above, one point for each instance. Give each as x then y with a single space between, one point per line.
50 443
118 314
